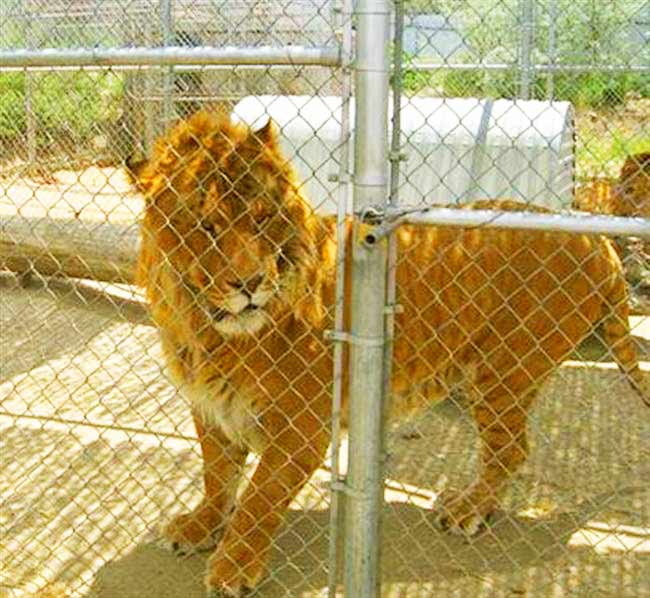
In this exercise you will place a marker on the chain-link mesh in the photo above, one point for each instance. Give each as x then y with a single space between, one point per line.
99 450
545 103
203 386
110 115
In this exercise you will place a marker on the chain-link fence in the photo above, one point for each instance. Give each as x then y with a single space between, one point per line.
368 215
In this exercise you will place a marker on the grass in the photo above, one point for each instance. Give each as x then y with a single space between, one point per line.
604 138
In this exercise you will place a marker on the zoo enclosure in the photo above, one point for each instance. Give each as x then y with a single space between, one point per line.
372 178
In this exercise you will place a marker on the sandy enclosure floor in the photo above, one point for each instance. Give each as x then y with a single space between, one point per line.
91 195
97 450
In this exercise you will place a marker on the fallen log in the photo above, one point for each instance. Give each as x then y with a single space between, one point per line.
101 251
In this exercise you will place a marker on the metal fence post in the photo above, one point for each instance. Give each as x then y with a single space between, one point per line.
167 27
30 116
552 48
365 457
337 497
396 156
148 89
527 41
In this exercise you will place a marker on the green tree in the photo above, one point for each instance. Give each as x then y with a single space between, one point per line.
586 32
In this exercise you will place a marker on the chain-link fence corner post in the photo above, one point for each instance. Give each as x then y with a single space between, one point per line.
365 470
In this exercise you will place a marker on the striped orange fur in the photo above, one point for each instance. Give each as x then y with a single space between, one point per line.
629 195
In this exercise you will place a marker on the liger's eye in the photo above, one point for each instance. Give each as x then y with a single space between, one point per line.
263 219
281 259
209 227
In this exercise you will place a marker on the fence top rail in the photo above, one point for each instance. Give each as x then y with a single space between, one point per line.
572 223
172 55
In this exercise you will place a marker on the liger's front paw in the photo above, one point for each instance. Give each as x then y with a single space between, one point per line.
466 513
192 532
227 593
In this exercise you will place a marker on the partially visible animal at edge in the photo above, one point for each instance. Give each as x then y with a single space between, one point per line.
629 195
239 273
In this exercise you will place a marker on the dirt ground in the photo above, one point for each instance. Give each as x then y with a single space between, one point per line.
97 450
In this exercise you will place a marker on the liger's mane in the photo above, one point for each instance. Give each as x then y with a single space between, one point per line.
209 144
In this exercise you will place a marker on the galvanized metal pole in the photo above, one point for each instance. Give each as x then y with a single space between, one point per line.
527 37
337 496
396 157
30 116
167 27
152 55
552 47
365 448
149 90
575 222
396 84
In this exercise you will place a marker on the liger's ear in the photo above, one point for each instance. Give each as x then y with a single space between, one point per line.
133 168
267 135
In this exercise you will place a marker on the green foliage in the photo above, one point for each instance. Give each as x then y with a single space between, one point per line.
599 154
460 84
481 83
64 104
594 89
583 90
587 32
12 109
70 104
413 80
590 32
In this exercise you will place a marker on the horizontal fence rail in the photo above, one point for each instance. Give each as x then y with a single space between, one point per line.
578 223
207 56
266 55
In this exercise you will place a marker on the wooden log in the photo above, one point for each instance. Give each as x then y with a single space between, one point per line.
69 248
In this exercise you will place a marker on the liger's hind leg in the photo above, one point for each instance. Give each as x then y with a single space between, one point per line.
501 419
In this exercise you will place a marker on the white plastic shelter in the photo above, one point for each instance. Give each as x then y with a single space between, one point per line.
456 150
